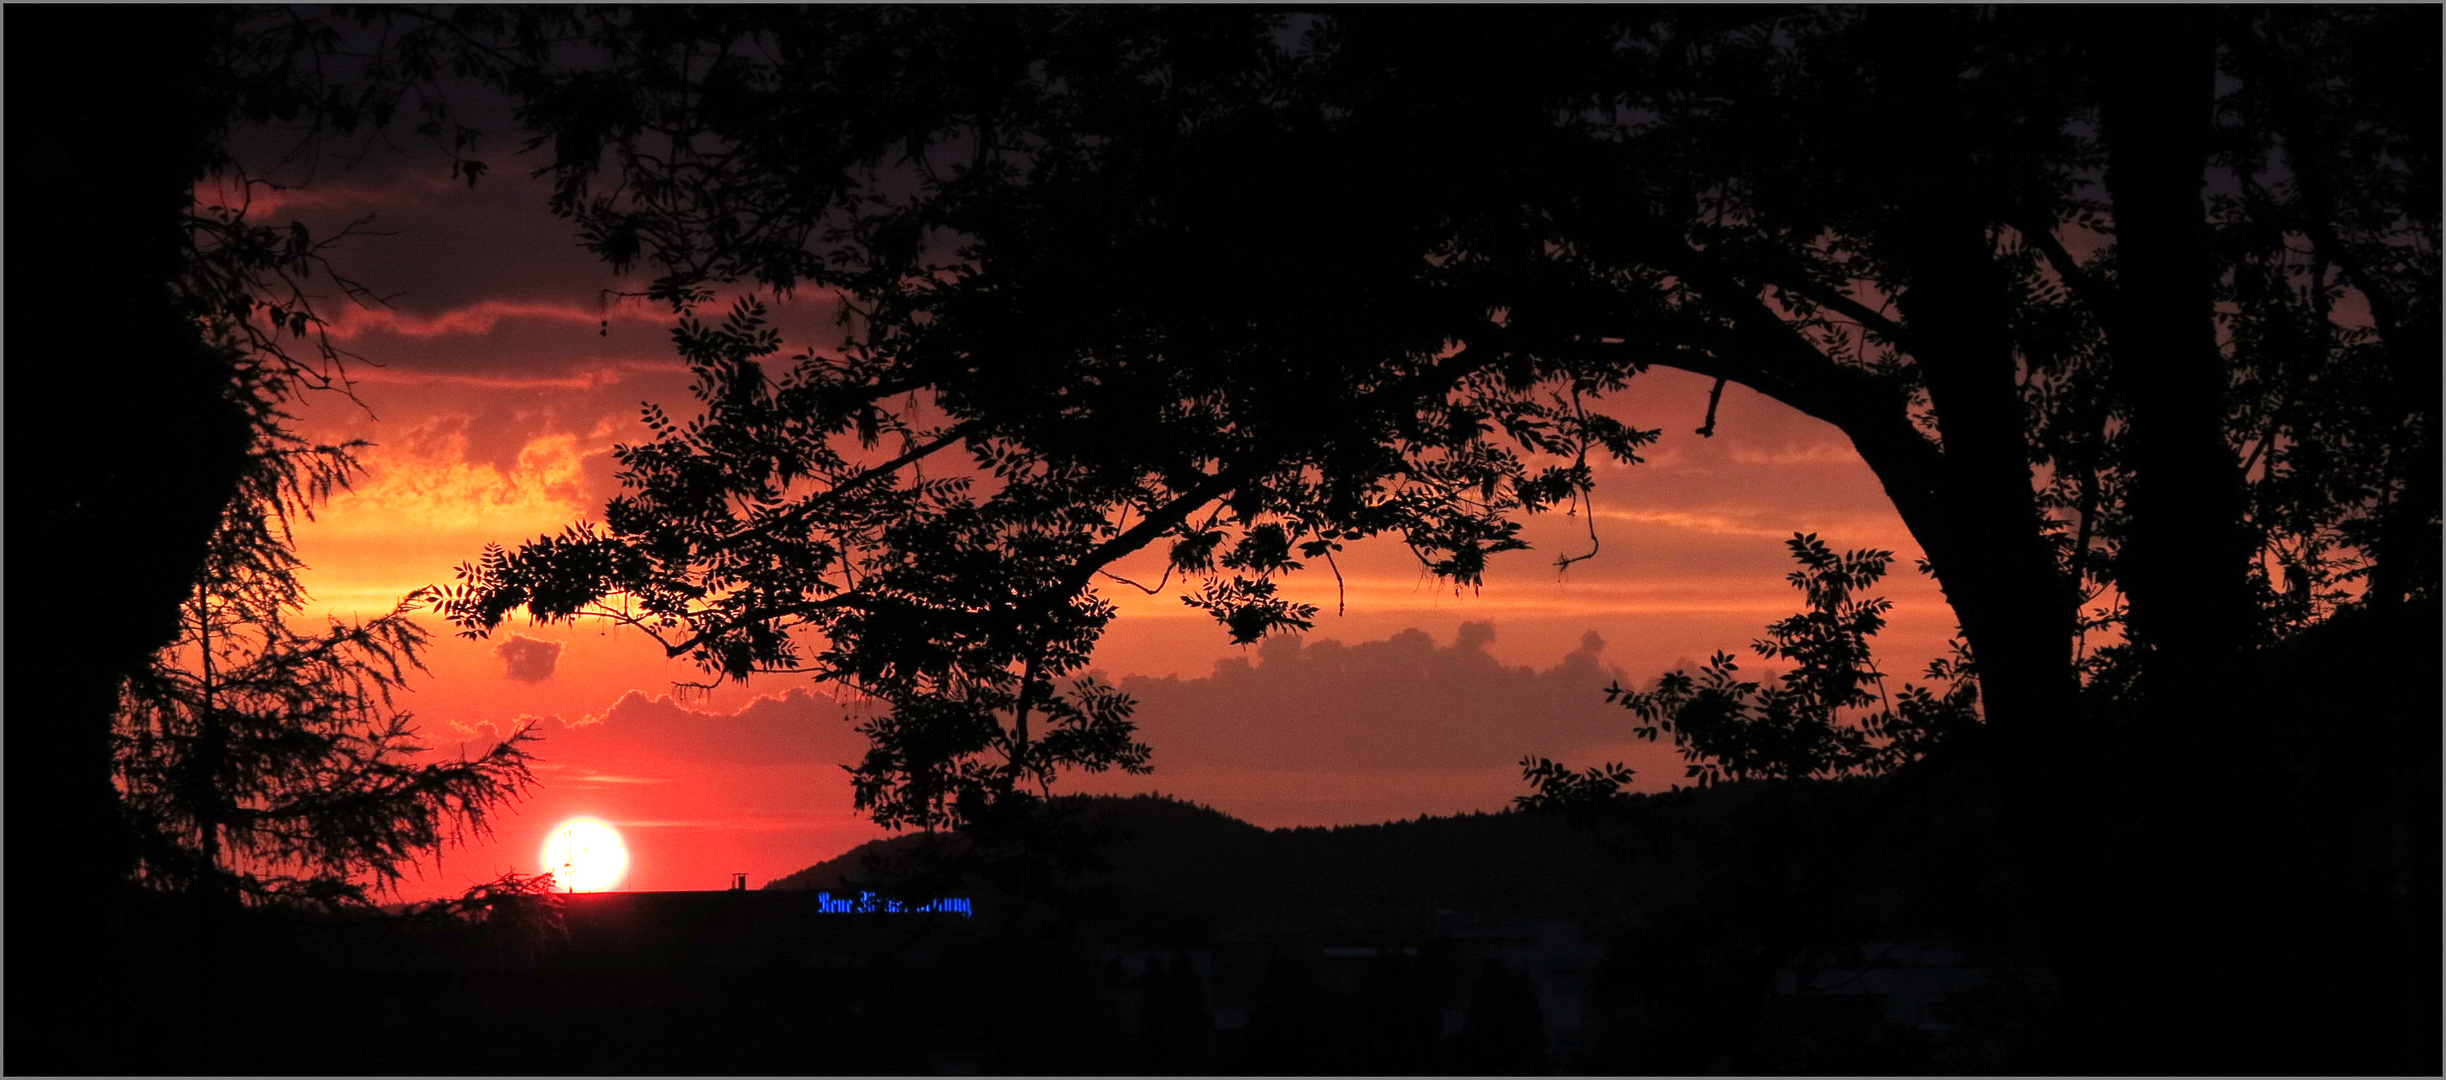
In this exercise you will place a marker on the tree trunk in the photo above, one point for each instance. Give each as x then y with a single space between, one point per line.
2185 566
2199 830
124 450
1983 531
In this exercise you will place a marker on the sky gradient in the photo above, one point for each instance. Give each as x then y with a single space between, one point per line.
497 381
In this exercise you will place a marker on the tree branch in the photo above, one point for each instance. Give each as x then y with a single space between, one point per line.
2085 287
821 500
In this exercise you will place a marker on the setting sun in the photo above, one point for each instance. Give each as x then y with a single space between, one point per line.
584 855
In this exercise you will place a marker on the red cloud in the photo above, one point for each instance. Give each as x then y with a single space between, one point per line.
480 318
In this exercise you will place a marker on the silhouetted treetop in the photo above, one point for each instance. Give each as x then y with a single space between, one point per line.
1118 281
2084 290
1829 715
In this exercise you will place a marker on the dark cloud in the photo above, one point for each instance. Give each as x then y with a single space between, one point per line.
485 282
526 659
1334 713
435 244
795 727
1400 703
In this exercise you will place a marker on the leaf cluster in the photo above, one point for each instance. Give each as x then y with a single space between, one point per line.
1827 716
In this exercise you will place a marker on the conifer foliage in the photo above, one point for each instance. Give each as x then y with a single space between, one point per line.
258 755
262 756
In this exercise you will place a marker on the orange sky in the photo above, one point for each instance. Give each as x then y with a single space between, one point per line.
499 394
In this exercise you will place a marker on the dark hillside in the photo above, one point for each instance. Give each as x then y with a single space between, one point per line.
1660 929
1662 852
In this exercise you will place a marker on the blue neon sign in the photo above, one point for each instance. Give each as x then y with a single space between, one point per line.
868 903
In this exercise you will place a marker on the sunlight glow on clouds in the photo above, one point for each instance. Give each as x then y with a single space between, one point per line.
1521 594
582 778
1833 454
585 377
426 481
1760 522
481 318
425 506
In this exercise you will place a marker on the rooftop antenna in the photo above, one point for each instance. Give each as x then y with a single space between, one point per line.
569 859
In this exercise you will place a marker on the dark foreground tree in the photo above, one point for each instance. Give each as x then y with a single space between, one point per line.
262 761
152 341
2132 315
118 487
123 449
110 506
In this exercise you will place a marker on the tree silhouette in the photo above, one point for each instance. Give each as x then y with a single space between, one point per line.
105 538
233 752
155 336
1245 449
1829 716
1920 293
259 760
203 306
1252 286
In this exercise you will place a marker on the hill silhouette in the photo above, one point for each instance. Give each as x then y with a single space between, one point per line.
1200 861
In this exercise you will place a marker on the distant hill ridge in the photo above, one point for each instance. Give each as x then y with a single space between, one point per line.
1200 860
